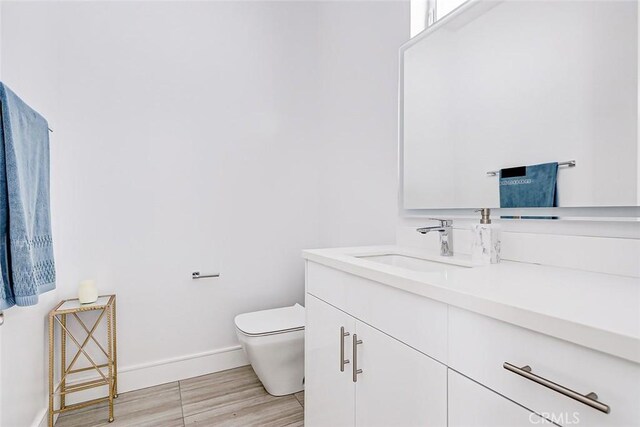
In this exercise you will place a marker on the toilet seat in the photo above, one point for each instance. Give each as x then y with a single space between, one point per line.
271 322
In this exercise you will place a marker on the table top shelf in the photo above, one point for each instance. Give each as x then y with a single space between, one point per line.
74 306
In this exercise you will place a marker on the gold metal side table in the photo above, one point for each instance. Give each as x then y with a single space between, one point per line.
70 310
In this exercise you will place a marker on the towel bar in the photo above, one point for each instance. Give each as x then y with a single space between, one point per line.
568 163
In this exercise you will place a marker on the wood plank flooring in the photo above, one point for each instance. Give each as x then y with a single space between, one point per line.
229 398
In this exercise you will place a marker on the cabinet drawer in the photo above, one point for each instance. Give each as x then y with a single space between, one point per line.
471 404
480 346
416 321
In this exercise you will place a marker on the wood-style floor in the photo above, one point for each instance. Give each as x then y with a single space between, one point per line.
230 398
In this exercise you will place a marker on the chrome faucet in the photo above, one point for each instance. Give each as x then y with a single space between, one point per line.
445 230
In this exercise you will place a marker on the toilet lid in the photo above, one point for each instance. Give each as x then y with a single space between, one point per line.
271 321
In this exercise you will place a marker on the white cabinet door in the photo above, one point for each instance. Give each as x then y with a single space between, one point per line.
398 386
472 405
329 392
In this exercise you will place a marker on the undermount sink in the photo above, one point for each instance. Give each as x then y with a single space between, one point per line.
413 263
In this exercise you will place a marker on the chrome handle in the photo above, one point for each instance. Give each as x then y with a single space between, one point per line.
343 361
356 371
1 318
197 275
590 399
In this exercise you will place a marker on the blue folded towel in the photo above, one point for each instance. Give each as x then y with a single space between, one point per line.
529 186
26 251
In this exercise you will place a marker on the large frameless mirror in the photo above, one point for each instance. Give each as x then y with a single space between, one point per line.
496 87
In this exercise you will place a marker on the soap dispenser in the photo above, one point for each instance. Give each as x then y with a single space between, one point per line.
485 247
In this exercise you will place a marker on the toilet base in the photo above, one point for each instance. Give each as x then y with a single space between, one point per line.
278 360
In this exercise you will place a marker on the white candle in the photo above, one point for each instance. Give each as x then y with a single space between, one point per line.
87 292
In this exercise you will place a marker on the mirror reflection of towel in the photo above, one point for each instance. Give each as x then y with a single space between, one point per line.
529 186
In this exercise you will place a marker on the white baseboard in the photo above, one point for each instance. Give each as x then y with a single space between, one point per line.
41 420
179 368
145 375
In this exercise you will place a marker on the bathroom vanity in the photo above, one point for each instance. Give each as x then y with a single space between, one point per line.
394 337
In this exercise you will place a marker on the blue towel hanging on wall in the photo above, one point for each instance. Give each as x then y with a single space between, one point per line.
529 186
26 250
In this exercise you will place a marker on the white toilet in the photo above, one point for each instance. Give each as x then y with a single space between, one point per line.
274 342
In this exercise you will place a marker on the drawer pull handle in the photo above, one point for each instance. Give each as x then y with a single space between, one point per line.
343 361
356 371
590 399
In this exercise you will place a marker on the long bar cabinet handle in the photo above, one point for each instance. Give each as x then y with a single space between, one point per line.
343 335
590 399
356 371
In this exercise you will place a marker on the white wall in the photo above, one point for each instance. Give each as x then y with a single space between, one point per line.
359 67
200 136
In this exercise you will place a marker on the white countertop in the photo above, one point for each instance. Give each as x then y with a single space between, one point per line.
595 310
